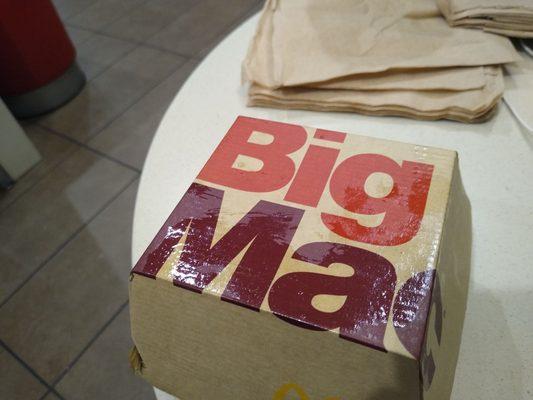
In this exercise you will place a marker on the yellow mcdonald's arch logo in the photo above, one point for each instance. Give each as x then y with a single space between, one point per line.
283 391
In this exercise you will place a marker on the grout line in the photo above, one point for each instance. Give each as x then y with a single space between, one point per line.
197 57
132 41
254 9
66 242
59 162
88 147
43 264
45 394
30 370
88 345
70 16
145 40
112 64
176 53
53 167
136 100
200 55
91 149
50 169
109 23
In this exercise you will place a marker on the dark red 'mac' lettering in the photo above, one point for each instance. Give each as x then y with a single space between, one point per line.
267 229
411 310
369 292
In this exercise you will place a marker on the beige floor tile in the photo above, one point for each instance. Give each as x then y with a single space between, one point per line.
53 150
129 136
41 220
51 396
16 383
148 18
69 8
78 35
98 52
112 92
103 12
201 26
207 49
113 379
54 316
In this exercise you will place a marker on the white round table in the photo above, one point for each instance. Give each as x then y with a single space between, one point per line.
496 161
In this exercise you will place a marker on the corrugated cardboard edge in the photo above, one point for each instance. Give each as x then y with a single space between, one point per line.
452 276
173 363
136 361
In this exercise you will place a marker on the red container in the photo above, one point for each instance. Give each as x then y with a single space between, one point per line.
38 70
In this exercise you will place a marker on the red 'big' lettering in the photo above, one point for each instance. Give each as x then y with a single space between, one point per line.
403 207
277 169
312 176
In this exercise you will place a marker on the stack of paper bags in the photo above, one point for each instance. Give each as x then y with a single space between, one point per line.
386 57
506 17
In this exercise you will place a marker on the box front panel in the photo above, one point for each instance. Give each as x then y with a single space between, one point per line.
214 350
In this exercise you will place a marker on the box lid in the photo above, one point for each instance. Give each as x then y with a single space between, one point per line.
326 230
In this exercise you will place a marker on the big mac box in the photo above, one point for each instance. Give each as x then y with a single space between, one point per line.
307 264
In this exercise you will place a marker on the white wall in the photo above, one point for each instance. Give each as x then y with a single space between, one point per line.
17 153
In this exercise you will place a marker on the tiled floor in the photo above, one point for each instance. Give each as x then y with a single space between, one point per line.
65 227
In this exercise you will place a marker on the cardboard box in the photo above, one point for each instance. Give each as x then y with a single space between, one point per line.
308 264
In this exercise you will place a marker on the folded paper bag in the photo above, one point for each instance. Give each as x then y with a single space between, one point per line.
307 261
467 106
453 79
512 18
344 38
447 75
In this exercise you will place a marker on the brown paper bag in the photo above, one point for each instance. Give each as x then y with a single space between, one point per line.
506 17
306 41
467 106
414 79
455 79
